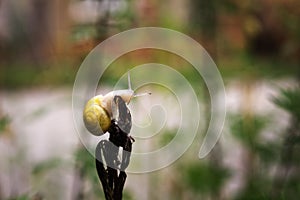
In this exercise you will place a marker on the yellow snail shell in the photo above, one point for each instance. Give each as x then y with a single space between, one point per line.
95 117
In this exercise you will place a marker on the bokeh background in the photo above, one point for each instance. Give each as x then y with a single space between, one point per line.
255 44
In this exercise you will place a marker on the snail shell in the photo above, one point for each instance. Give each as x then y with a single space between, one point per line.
95 116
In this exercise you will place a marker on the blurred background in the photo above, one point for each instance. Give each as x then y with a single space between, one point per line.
255 44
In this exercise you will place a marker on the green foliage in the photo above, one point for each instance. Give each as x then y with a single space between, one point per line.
248 128
204 178
268 152
203 16
228 6
262 155
259 184
127 195
4 121
289 100
45 166
167 137
291 188
22 197
83 32
287 185
20 75
85 164
242 64
124 17
257 188
36 196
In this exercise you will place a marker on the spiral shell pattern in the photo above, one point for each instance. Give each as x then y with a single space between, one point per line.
95 117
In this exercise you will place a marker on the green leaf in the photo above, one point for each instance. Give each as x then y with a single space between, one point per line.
4 121
205 178
45 166
289 100
248 128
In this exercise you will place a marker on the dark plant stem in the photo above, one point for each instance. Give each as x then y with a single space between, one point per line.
113 178
107 153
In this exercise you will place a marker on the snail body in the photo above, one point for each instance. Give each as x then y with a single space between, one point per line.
98 111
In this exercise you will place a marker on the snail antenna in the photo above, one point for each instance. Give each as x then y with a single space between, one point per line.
129 82
135 94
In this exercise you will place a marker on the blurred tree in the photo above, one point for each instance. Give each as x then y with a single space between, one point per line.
287 177
261 156
257 158
257 155
35 30
268 37
204 23
204 179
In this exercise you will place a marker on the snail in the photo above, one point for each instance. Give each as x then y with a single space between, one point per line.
98 111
